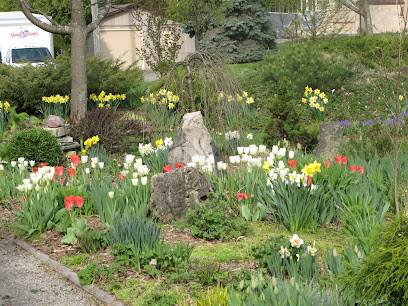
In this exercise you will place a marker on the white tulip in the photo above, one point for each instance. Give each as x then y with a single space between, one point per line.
21 160
291 154
262 149
32 163
143 180
94 160
111 194
275 150
84 159
129 159
135 181
87 170
25 163
101 165
1 167
240 150
210 159
13 163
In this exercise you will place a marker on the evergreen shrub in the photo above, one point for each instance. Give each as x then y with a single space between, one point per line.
38 145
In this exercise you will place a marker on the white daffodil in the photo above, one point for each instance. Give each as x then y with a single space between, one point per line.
295 241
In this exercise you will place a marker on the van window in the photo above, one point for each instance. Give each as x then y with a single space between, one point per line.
32 55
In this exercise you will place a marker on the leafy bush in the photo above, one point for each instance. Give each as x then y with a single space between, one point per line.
285 121
138 232
92 241
37 144
25 86
94 272
112 128
214 221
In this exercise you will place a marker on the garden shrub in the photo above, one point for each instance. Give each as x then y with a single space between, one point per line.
245 34
112 128
38 145
303 64
285 121
382 275
25 86
214 220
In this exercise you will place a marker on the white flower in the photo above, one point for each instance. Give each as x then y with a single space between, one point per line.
281 153
262 149
210 159
1 167
221 166
135 181
192 165
111 194
311 251
207 168
139 161
93 165
313 188
26 181
84 159
240 150
245 158
143 170
250 136
126 165
284 252
246 150
275 150
13 163
101 165
32 163
94 160
135 175
295 241
253 149
129 159
25 163
20 160
281 165
143 180
291 154
168 141
87 170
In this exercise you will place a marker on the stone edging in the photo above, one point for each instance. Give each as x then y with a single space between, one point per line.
65 272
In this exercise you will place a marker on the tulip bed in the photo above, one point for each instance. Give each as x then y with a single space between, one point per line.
300 230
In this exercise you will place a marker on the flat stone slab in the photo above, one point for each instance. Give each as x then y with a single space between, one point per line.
65 139
69 146
58 132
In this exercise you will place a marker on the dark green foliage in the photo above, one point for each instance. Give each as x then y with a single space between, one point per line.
113 129
382 275
38 145
94 272
303 64
215 221
138 232
285 121
245 34
25 86
272 246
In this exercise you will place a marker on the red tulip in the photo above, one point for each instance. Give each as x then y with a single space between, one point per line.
69 202
167 168
62 181
241 196
25 199
179 165
344 160
121 176
353 168
43 165
35 169
75 159
361 170
328 163
79 201
71 172
309 180
59 170
292 163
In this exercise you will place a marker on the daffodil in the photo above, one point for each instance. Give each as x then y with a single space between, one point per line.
401 97
171 105
159 142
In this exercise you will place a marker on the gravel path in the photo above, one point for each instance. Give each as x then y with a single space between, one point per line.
24 280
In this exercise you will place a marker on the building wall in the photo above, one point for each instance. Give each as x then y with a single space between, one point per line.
119 40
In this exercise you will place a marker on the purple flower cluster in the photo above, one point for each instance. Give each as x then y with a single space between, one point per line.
387 122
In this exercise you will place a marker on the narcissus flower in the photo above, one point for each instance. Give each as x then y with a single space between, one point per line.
295 241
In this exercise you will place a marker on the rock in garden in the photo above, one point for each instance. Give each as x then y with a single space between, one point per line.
174 192
193 139
329 139
54 121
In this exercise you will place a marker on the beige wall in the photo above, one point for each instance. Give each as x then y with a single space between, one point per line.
119 40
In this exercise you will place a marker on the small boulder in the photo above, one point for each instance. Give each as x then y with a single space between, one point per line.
172 193
329 139
54 121
193 139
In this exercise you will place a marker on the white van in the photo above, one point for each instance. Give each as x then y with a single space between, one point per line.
22 42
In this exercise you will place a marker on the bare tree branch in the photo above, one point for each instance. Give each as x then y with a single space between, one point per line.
102 13
353 6
53 28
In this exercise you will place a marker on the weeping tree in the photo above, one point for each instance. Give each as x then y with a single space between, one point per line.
78 30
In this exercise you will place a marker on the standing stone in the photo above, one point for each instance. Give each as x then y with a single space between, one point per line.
193 139
54 121
172 193
329 140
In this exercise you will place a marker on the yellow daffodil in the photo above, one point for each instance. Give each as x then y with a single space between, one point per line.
159 142
321 108
304 100
123 96
245 94
107 105
317 91
325 100
142 99
250 100
83 151
322 95
100 104
171 105
266 166
401 97
311 169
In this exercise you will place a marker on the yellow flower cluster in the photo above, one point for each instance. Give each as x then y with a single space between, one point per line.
4 106
56 99
312 169
90 142
161 98
105 100
230 98
317 99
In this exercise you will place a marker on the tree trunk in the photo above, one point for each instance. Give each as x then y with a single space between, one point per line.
78 62
367 18
197 40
